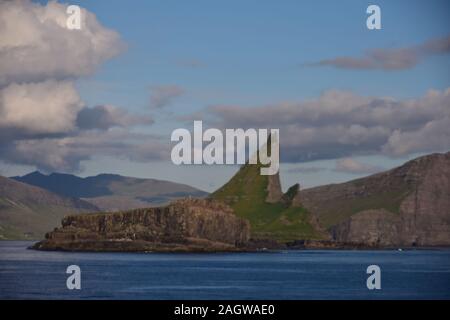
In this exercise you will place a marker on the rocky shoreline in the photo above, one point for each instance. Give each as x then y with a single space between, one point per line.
202 247
187 225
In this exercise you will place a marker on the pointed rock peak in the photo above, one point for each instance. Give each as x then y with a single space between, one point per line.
248 183
274 193
292 196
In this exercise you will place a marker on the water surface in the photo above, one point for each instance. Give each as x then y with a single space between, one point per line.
308 274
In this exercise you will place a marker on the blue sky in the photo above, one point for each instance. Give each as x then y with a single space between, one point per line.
252 54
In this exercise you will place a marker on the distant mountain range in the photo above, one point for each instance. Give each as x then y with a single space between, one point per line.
27 212
35 203
111 192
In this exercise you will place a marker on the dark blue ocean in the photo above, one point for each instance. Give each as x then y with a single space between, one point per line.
308 274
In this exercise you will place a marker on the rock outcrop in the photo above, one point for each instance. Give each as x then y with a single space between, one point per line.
274 193
184 225
272 214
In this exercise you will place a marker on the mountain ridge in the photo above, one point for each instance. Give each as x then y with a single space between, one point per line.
405 206
111 192
27 212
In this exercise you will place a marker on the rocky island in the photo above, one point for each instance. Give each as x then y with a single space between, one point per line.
185 225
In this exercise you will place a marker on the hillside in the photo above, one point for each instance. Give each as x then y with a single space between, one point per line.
27 212
271 214
111 192
408 205
405 206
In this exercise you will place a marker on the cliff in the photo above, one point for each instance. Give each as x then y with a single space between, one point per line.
184 225
405 206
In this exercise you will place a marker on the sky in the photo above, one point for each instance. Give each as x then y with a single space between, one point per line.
349 101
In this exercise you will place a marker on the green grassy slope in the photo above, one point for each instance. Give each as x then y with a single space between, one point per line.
28 212
246 193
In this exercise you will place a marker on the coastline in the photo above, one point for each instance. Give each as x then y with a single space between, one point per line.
251 247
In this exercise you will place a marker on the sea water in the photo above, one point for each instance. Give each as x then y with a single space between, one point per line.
303 274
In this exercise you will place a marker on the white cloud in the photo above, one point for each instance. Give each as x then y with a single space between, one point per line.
339 124
43 121
433 136
36 45
40 108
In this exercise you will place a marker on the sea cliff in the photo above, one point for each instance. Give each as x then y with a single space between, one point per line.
184 225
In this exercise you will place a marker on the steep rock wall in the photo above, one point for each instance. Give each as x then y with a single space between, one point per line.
185 225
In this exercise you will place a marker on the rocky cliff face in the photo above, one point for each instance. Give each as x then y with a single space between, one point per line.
405 206
185 225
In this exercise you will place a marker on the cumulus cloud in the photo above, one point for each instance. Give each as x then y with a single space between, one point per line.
349 165
433 136
391 59
106 116
340 124
36 44
43 121
162 96
39 108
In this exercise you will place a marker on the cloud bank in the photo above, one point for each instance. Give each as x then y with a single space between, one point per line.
43 120
339 124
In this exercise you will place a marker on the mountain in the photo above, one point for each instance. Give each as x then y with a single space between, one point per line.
27 212
405 206
111 192
272 214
